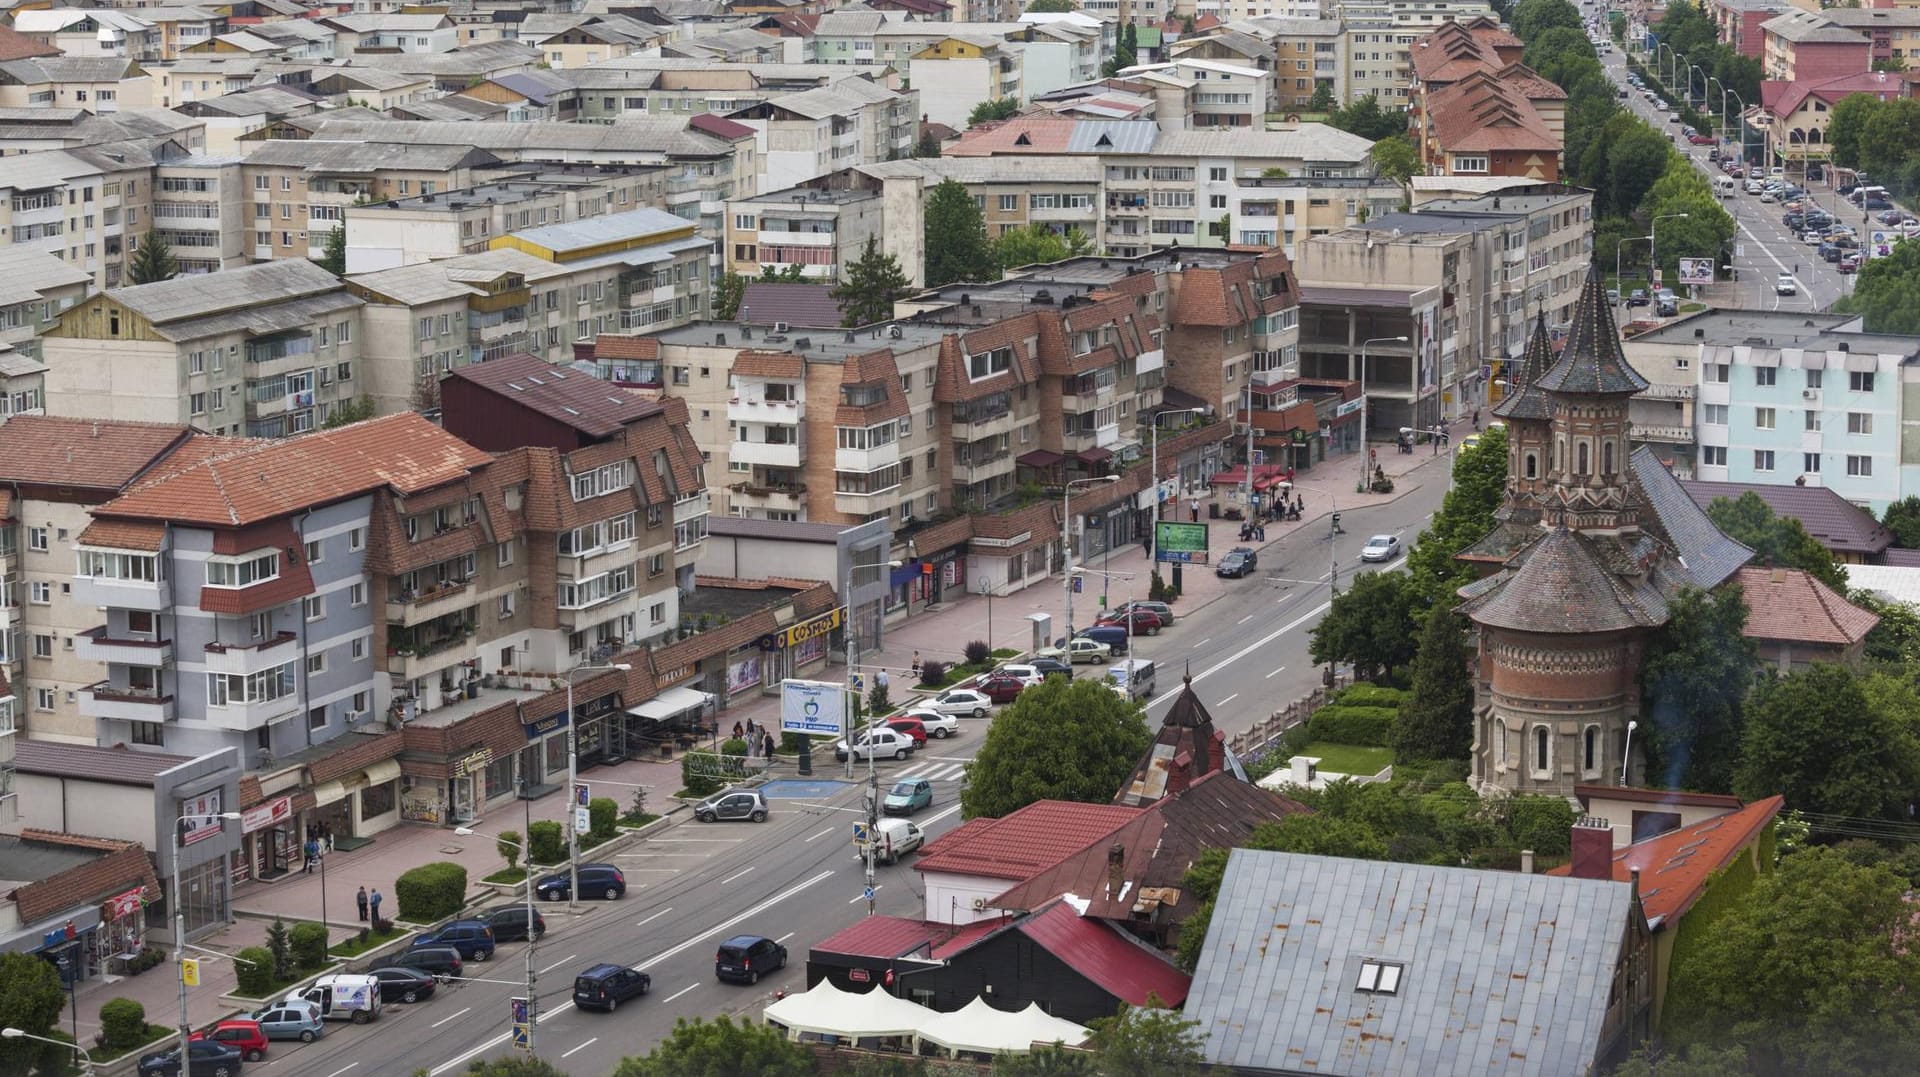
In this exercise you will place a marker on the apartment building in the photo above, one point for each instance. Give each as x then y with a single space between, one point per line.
371 88
454 71
1476 109
821 229
92 32
231 116
1807 46
182 27
86 206
95 83
200 208
34 288
391 33
1380 37
193 78
1062 193
301 191
258 351
1303 53
808 134
1739 22
1059 49
665 87
958 72
575 40
405 231
1224 95
55 470
1892 33
1793 116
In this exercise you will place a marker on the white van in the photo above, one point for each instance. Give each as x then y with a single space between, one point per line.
1133 678
1724 186
343 997
894 838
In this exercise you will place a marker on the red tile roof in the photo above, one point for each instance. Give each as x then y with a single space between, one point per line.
1789 604
1674 867
116 872
595 408
615 346
95 453
717 125
15 45
1030 840
889 937
125 535
1021 134
1482 113
1121 966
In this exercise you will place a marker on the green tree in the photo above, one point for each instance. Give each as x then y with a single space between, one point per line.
928 146
1367 119
1903 519
334 258
509 845
514 1065
1532 18
1891 137
1395 158
1693 685
1000 108
1059 740
869 285
1814 736
1436 720
1465 517
1370 625
956 237
1896 638
727 296
1636 156
1777 539
1036 244
280 945
1147 1042
31 1001
720 1048
347 412
1886 291
1125 52
1845 126
1323 100
793 274
1054 1061
153 261
1697 1060
1812 973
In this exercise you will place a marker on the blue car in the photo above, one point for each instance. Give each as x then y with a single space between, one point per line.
472 938
908 796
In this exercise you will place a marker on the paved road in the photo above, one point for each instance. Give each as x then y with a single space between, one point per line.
1770 249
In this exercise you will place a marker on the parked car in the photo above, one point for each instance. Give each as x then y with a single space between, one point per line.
472 938
1020 671
355 996
1638 298
1116 637
1381 548
205 1058
1079 649
1613 296
240 1033
958 701
1784 285
404 985
1145 621
745 958
1755 186
1699 139
908 725
1831 253
294 1019
1050 667
510 923
748 804
1849 264
875 743
1891 217
1002 687
907 796
596 880
605 987
442 962
1666 307
1237 563
932 723
893 839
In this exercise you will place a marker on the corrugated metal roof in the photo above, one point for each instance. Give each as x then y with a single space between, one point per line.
1502 973
212 293
610 228
589 405
1113 136
1119 964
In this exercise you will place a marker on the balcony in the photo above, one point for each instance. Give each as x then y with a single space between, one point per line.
974 425
1664 391
864 504
750 408
418 607
247 717
887 455
415 661
770 496
1672 435
105 591
975 467
768 453
798 239
94 645
244 658
125 703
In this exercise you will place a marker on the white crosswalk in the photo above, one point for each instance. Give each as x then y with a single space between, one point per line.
938 773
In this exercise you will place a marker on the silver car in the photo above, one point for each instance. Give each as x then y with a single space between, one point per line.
748 804
1380 548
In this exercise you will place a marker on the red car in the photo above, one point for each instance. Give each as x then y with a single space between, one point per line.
1002 689
241 1035
908 726
1849 264
1699 139
1145 622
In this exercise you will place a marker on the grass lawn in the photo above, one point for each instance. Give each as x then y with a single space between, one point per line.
637 821
510 875
1005 652
108 1054
353 947
1349 758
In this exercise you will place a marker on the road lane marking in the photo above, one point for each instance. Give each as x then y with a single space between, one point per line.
1203 643
1249 649
823 833
692 841
735 875
442 1021
1245 619
678 993
582 1047
1228 700
931 819
1282 669
785 937
649 920
543 972
862 895
343 1069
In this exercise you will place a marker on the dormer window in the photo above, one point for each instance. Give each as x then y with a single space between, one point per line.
986 364
1379 977
243 571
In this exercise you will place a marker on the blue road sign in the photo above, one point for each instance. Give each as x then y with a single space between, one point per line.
520 1038
859 832
859 683
869 893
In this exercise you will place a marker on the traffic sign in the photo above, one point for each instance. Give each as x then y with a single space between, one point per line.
582 820
859 833
868 893
190 971
859 683
521 1039
1739 250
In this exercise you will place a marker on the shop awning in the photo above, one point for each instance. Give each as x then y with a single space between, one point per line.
329 793
1094 456
1038 458
383 772
671 702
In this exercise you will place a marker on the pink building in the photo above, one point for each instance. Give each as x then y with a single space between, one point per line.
1808 46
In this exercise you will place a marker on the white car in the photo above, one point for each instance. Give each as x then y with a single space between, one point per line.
1380 548
1785 285
1025 674
875 742
937 724
1078 649
959 701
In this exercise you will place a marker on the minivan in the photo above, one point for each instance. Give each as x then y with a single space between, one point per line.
509 923
1724 186
438 961
745 958
1134 677
605 987
472 938
1114 636
343 997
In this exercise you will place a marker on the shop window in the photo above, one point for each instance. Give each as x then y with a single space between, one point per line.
377 800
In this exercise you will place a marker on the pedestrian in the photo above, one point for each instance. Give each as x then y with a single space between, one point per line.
916 665
313 854
751 739
373 904
767 744
1146 545
1193 510
326 835
1260 532
880 678
360 902
1476 418
738 732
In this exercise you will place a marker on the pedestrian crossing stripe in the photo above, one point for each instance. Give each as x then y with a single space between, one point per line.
934 774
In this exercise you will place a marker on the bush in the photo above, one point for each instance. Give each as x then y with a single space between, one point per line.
124 1023
547 841
1342 724
733 746
978 653
605 812
1370 695
508 845
253 968
309 945
933 674
431 891
694 781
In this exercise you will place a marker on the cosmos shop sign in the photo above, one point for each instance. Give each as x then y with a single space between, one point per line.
795 635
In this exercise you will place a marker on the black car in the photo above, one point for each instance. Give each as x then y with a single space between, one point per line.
1239 561
473 938
1666 306
605 987
206 1058
745 958
438 961
509 923
404 985
1638 298
596 881
1048 667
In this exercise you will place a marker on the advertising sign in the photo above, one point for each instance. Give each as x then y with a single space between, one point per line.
1180 543
813 708
1696 271
200 817
795 635
261 816
1880 242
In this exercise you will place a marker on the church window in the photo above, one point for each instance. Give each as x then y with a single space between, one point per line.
1542 746
1590 749
1606 457
1533 466
1582 469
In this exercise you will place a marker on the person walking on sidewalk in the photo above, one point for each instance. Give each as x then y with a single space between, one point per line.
1193 510
360 902
313 854
767 745
373 904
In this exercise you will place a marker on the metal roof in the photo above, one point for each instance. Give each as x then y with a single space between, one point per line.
1501 973
120 766
591 406
608 228
213 293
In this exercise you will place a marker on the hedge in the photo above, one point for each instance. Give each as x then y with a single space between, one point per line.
1370 695
1342 724
309 945
431 891
605 812
548 842
253 968
123 1023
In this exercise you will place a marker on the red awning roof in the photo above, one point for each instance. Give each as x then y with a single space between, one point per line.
1125 969
1038 458
1094 456
1264 476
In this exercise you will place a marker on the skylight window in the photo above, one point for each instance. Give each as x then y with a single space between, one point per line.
1379 978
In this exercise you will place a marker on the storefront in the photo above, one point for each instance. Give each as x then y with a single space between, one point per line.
268 846
122 934
600 733
544 760
923 581
467 786
799 649
673 715
745 669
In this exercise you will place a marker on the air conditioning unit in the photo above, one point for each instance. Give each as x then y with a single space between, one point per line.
781 327
1810 394
979 904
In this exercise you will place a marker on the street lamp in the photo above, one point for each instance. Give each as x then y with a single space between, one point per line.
868 851
1366 462
1653 259
1066 538
1153 469
180 923
533 1007
573 776
86 1059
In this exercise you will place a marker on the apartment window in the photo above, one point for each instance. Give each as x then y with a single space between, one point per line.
1469 163
224 689
1812 421
361 701
357 539
316 716
1763 460
314 607
151 734
1009 202
242 572
42 646
1715 373
357 649
313 552
657 614
356 594
1859 422
197 403
43 699
1814 378
1810 463
1713 455
37 539
1860 381
1713 414
197 363
1217 175
1763 375
1763 417
506 607
40 593
1860 467
111 565
316 664
503 554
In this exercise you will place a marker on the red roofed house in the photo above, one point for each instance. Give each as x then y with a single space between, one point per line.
1475 109
970 866
1795 113
1795 620
1674 870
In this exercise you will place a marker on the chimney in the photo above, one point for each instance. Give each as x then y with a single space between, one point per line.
1526 861
1305 769
1116 870
1592 848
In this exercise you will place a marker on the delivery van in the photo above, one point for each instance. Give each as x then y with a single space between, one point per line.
1724 186
894 838
343 997
1132 678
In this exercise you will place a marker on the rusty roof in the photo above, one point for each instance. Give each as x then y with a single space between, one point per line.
753 363
100 454
1789 604
593 407
1016 846
1676 866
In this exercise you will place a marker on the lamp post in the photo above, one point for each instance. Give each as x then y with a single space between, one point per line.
1652 230
573 776
1626 753
1066 539
533 1006
86 1060
1618 282
1691 68
180 922
1728 117
1153 469
1366 462
867 852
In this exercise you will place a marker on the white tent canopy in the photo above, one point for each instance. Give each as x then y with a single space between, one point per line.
828 1011
979 1027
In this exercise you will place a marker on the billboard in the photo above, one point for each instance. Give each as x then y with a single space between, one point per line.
1178 543
1696 271
1880 241
813 708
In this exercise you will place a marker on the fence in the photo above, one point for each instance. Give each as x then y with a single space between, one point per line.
1255 742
